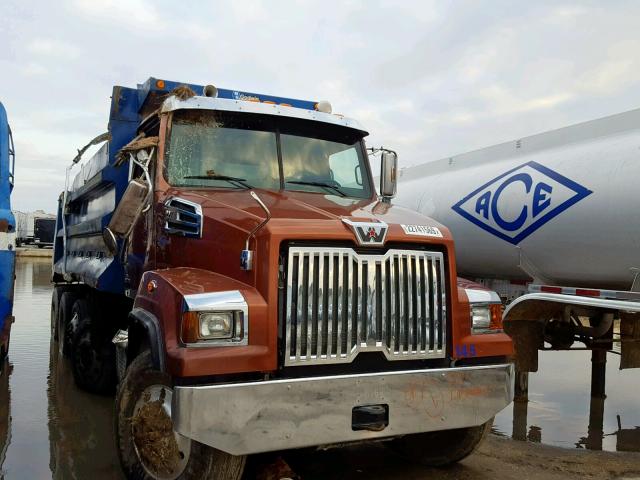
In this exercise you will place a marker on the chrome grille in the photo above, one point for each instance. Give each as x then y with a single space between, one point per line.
340 303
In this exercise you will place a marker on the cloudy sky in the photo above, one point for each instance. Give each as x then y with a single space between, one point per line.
429 79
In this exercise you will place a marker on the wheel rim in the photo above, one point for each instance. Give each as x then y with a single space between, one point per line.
163 453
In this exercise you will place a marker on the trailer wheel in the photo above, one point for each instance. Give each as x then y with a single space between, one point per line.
93 356
439 449
148 446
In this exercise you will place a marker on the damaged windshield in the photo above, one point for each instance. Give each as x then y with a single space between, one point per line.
230 150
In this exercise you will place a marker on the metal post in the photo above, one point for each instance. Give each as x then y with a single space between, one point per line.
519 426
520 405
521 387
595 432
598 372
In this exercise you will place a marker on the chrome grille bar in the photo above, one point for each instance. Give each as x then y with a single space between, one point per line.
340 303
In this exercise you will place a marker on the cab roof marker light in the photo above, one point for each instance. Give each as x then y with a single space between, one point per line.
323 106
160 84
210 91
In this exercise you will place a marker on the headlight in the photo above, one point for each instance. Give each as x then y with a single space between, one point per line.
212 327
216 325
215 319
486 318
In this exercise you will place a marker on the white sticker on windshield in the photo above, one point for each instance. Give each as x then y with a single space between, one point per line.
422 230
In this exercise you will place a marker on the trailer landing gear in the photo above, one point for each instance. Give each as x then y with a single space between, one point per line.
148 446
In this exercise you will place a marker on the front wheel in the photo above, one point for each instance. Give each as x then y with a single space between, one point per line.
148 447
439 449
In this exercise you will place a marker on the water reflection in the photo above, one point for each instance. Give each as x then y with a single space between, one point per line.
57 431
5 410
568 404
80 427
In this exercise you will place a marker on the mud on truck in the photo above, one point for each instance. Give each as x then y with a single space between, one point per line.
224 264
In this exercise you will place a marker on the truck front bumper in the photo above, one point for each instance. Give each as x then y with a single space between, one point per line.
247 418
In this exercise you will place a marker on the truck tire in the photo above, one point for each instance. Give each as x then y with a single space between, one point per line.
55 307
439 449
93 355
143 404
65 325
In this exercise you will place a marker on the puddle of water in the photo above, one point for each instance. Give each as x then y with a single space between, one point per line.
51 429
561 411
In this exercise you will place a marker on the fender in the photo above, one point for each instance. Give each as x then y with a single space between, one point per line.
526 318
161 295
144 325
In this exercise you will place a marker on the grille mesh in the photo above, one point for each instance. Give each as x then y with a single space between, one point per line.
340 303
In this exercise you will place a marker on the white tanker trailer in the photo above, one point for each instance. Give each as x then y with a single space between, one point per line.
552 223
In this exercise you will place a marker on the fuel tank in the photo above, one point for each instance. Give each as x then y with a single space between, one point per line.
561 207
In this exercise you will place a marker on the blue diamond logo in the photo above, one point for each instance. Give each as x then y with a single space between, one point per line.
517 203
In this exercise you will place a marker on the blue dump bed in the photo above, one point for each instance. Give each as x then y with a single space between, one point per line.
80 253
7 232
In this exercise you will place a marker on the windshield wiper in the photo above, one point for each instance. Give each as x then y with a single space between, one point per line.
319 184
233 180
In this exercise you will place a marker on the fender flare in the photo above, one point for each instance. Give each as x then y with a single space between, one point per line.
147 326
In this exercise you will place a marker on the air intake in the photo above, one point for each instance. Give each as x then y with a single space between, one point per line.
183 217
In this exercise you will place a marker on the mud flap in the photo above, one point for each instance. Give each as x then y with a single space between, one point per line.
630 335
528 337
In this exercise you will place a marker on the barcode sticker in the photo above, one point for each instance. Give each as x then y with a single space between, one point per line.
422 230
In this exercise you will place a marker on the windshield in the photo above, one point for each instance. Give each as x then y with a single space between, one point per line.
230 150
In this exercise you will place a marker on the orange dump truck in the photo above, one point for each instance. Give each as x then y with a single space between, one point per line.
225 263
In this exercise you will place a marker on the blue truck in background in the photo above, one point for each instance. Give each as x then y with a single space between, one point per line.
7 231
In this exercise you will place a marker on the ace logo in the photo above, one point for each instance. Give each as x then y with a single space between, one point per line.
515 204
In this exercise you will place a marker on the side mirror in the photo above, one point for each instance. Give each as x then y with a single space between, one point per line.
388 175
126 214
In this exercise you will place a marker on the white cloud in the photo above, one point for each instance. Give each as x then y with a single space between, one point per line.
140 14
33 69
50 47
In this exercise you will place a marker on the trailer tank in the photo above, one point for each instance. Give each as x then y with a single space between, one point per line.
558 208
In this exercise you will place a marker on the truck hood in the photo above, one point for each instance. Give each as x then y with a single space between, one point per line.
238 210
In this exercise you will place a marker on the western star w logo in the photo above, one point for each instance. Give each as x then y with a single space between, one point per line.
368 233
515 204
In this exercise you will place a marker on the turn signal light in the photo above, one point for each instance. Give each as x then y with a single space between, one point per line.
496 316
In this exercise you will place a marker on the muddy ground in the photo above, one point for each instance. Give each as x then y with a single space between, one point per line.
497 458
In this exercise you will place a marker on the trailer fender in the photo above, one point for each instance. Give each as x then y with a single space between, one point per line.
144 329
526 317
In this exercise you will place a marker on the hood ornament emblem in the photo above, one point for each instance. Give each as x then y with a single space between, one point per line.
368 233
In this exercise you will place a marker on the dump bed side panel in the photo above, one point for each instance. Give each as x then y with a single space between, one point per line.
94 191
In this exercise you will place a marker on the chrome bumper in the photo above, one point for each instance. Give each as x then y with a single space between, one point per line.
255 417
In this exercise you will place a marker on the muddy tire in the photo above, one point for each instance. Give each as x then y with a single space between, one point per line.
93 356
56 297
187 459
439 449
55 307
65 326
